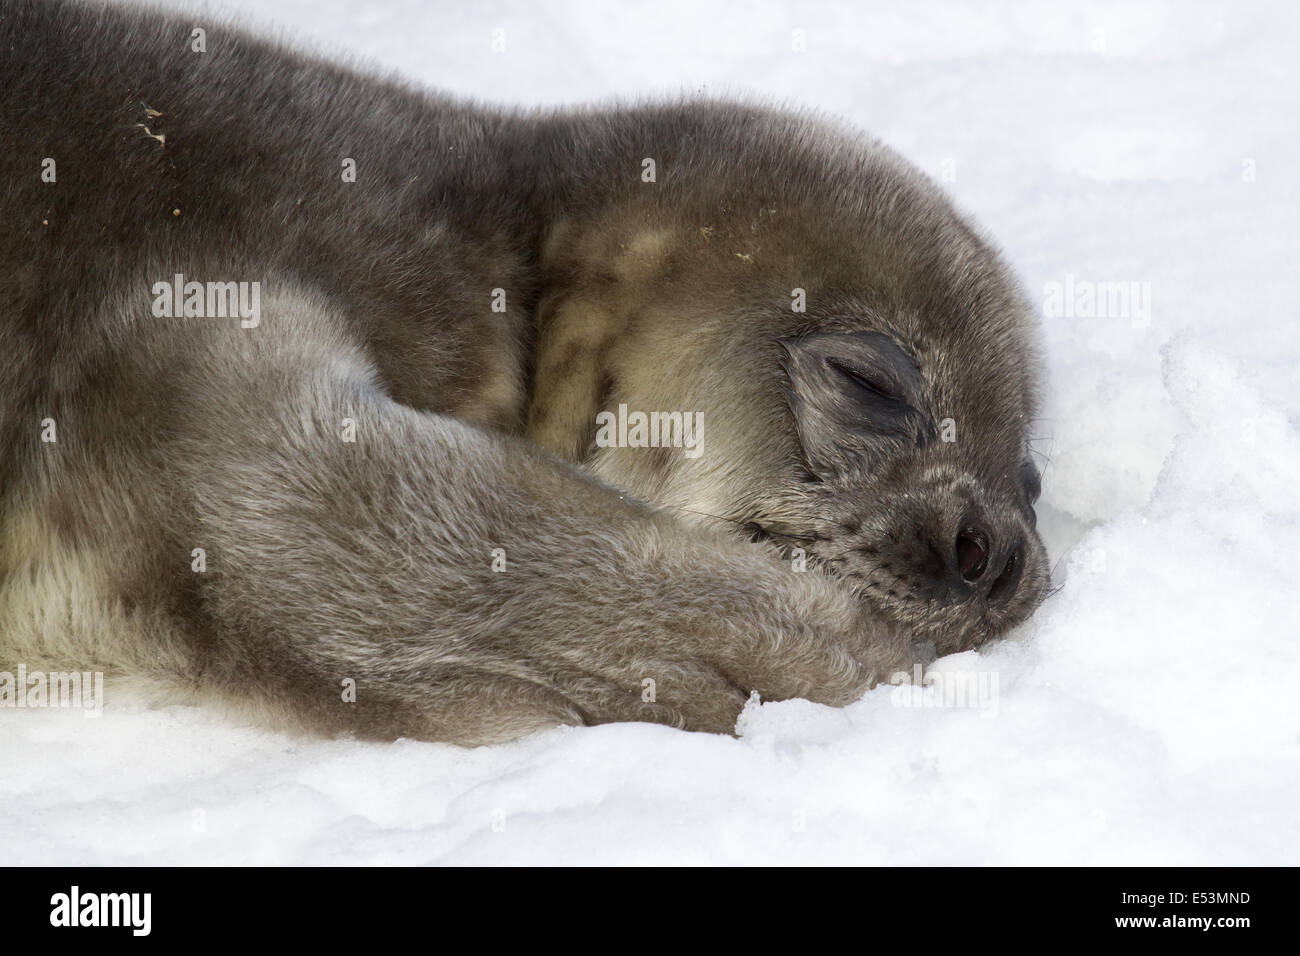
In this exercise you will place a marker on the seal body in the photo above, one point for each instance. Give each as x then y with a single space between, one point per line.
390 414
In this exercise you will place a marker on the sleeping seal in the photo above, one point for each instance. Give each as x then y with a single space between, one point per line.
389 414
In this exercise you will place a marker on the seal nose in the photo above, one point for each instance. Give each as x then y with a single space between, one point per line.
974 552
1004 585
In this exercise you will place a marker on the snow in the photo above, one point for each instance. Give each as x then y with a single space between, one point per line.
1147 715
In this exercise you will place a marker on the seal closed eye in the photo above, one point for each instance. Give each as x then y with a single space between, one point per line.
873 384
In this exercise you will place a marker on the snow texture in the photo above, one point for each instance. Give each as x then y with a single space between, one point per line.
1147 715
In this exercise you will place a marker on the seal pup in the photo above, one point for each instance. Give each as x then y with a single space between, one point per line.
333 398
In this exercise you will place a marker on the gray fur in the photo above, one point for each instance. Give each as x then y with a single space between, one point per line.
372 560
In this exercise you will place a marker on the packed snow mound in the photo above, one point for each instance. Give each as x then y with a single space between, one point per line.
1141 157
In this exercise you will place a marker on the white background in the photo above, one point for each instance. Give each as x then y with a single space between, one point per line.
1148 714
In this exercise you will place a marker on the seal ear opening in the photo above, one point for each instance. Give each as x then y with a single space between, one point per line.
850 394
1031 481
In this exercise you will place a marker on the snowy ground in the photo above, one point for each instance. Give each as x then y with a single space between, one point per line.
1147 714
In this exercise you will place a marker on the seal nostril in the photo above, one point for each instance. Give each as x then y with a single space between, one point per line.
1006 583
972 554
